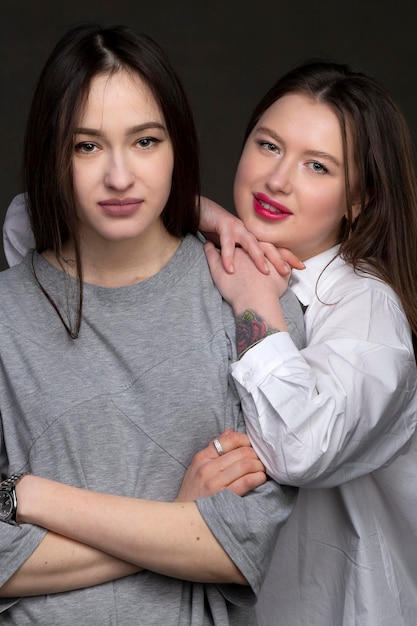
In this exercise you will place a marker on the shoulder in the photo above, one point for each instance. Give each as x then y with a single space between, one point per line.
357 305
193 264
211 301
12 278
190 253
339 280
18 290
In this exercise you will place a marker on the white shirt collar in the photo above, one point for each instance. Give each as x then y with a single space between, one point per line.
303 282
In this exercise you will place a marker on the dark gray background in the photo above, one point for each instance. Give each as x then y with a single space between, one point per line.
227 54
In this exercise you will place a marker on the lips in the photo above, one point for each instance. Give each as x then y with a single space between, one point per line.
269 209
116 207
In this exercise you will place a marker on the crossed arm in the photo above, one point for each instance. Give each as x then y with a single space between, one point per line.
94 538
61 564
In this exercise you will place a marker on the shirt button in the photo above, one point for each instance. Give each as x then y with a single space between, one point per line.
246 376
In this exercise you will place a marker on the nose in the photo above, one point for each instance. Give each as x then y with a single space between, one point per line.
279 176
118 175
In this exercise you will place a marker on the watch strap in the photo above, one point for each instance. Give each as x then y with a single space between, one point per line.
12 480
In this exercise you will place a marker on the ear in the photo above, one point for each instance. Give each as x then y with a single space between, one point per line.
357 205
356 209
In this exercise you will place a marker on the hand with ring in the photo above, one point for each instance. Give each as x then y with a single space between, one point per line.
228 462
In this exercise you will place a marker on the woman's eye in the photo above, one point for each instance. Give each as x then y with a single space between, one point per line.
86 146
267 145
147 142
318 167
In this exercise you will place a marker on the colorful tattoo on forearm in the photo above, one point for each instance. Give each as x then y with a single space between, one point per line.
250 330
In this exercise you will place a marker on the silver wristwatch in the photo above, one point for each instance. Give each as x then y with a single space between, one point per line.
8 499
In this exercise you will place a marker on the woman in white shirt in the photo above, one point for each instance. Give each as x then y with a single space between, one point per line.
326 171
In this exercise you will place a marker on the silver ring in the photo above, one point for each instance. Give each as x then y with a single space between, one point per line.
218 446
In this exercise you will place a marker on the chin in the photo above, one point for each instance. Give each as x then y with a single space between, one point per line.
264 234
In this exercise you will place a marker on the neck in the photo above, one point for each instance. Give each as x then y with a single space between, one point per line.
118 264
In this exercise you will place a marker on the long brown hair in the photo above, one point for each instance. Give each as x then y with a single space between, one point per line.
61 93
383 239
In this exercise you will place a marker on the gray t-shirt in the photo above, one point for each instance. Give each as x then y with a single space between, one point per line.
123 409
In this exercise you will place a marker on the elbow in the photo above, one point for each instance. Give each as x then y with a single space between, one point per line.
243 581
239 579
225 572
232 575
10 589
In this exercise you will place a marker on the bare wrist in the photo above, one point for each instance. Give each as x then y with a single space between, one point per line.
24 488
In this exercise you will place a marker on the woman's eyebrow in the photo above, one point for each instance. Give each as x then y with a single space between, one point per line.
319 154
97 132
148 125
268 131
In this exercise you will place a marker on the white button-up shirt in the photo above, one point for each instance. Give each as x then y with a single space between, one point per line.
17 232
338 419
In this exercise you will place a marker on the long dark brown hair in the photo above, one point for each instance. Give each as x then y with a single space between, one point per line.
59 98
383 239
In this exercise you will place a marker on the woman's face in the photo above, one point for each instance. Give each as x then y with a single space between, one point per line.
122 163
290 185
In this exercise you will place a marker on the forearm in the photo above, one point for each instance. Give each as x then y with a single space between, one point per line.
304 412
61 564
168 538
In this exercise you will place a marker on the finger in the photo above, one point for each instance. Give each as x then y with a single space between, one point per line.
276 259
291 258
208 475
240 470
227 252
213 237
251 245
212 255
247 483
222 472
230 440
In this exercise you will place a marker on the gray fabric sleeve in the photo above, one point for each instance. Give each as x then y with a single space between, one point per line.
247 529
17 543
294 318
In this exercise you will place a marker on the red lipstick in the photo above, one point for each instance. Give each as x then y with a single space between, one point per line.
269 209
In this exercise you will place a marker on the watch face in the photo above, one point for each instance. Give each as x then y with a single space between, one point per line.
6 505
